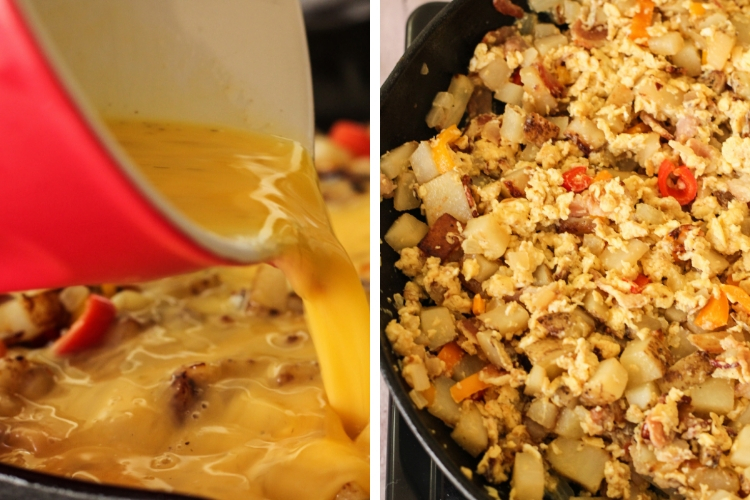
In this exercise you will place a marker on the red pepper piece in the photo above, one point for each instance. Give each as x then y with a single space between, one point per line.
89 329
639 283
677 182
352 136
576 179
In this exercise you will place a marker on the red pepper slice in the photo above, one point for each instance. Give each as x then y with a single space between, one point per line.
351 136
516 77
576 179
639 283
677 182
88 330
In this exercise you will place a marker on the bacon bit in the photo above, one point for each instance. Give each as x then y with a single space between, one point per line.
550 80
686 128
516 77
478 305
577 225
508 8
655 431
656 126
639 283
588 39
466 181
723 365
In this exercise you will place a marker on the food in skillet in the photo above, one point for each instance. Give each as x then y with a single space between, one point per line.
578 297
207 383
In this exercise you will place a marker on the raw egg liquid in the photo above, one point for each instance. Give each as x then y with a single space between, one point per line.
242 185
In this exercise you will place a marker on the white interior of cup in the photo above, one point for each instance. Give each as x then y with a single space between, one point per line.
233 63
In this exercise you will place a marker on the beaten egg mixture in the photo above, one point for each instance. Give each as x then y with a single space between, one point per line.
578 302
207 384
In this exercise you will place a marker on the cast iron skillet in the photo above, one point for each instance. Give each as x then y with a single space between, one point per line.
445 46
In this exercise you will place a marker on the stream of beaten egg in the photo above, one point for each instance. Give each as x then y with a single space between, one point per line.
108 418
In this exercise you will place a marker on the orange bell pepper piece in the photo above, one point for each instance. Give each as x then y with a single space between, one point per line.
472 384
737 295
603 176
429 395
441 151
478 305
642 20
450 354
714 314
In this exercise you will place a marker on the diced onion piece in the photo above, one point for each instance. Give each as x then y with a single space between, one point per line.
606 385
438 327
486 235
395 161
512 128
507 319
642 395
719 50
689 59
495 74
542 30
668 44
715 395
618 259
470 433
648 214
423 164
404 197
443 406
510 93
578 461
528 476
569 424
543 412
446 195
548 43
461 88
407 231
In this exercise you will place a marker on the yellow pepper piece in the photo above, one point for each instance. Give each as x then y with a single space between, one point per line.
737 295
697 9
715 313
442 154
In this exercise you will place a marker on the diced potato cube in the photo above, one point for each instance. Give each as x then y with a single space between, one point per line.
470 433
415 374
486 268
715 395
394 162
719 50
543 412
578 461
545 353
438 327
446 194
606 385
642 395
687 372
443 406
569 424
666 45
423 164
645 360
528 476
617 259
404 197
507 319
407 231
486 235
535 380
740 454
513 120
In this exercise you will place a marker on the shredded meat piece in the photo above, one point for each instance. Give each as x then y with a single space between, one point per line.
508 8
656 126
577 225
555 323
588 38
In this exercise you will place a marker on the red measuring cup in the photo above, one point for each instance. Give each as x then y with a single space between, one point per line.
73 208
